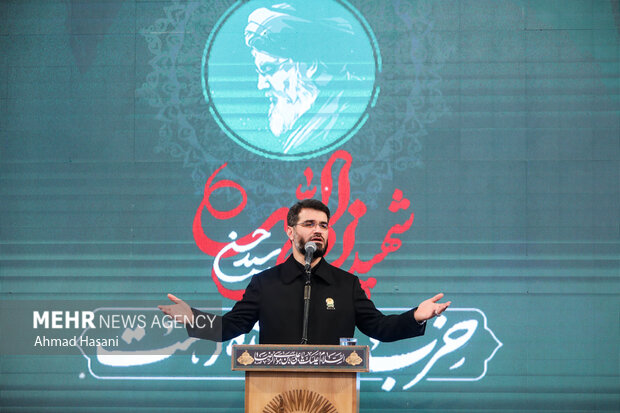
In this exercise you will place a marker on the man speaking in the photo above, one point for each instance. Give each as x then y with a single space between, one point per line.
336 303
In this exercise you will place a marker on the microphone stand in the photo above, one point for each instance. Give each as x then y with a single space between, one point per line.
307 289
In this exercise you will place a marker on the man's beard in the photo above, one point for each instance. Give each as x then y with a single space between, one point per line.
283 112
320 248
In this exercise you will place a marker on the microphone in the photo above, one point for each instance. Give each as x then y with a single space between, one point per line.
310 248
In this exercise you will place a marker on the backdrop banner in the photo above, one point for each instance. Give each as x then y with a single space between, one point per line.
466 147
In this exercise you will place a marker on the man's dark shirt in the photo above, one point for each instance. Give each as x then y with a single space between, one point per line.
274 298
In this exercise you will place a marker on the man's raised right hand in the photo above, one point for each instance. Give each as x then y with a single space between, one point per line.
179 312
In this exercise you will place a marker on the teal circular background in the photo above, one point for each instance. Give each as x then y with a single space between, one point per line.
229 81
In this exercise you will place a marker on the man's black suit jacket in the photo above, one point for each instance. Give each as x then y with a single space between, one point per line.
338 304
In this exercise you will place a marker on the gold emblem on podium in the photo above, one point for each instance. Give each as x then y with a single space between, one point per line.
298 400
354 359
245 358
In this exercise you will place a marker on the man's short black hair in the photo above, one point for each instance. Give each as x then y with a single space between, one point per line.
293 212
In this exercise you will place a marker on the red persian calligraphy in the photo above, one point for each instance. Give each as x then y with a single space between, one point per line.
335 191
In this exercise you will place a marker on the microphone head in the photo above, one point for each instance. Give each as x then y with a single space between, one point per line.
310 247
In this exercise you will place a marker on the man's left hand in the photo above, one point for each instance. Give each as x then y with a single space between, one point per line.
430 308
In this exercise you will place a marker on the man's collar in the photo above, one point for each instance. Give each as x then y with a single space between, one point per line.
291 269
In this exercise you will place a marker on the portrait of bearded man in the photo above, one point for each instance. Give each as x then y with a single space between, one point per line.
305 65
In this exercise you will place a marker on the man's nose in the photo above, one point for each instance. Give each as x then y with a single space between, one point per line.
262 82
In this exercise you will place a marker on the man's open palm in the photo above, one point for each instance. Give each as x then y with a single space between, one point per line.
179 312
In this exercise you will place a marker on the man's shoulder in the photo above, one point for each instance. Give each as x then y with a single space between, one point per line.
339 274
337 270
270 273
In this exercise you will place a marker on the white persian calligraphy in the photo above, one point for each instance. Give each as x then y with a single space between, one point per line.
459 333
118 358
451 344
247 262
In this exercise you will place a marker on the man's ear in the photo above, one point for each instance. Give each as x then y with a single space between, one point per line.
289 233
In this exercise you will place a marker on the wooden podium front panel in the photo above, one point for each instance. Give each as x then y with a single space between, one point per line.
267 391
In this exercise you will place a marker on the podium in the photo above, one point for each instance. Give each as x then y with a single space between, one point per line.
301 378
